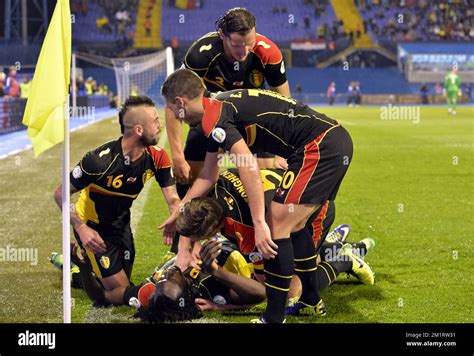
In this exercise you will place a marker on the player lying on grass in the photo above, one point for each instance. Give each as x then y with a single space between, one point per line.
318 150
109 178
223 283
229 213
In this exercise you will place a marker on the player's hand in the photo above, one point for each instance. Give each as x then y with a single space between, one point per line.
79 256
185 260
91 239
280 163
169 227
263 241
209 252
205 304
460 92
181 171
168 238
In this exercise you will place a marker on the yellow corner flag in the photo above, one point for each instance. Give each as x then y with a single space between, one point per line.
45 113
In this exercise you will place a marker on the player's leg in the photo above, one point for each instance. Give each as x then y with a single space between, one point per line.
283 220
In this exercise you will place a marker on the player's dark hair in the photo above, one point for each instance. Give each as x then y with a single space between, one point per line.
199 218
131 102
163 309
182 82
237 20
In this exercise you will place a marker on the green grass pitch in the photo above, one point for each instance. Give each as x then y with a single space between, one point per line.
410 187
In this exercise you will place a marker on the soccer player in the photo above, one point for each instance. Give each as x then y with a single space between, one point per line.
109 178
234 56
228 212
452 90
318 150
223 283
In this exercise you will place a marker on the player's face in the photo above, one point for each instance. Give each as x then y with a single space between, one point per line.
237 46
184 111
172 283
152 127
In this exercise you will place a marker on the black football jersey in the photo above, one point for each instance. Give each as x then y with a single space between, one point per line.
267 121
263 64
109 183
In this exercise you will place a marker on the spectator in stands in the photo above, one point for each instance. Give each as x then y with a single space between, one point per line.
88 85
424 94
148 28
12 87
438 89
25 87
351 95
3 77
331 93
80 86
469 92
103 23
357 93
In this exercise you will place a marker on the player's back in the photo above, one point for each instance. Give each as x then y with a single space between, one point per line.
271 122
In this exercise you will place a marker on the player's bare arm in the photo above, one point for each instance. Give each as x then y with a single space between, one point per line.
250 177
174 130
172 200
89 237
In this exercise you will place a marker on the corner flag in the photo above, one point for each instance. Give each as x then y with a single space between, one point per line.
44 113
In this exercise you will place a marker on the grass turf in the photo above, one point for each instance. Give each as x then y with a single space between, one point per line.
409 187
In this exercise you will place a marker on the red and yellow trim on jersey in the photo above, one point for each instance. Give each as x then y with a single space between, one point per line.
212 114
267 51
145 292
318 223
94 264
242 233
310 163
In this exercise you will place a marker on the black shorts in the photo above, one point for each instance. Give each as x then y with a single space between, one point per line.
315 171
119 252
195 147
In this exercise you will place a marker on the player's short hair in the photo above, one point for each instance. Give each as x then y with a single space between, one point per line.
131 102
199 218
237 20
182 82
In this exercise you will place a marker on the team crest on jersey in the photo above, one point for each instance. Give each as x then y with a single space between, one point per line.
218 134
105 262
256 78
147 175
77 172
255 257
230 202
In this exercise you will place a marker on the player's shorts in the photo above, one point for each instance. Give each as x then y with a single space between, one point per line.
315 171
196 146
119 252
452 94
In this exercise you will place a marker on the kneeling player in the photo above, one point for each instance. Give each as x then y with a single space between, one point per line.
109 178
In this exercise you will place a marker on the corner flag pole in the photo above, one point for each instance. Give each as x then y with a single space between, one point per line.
66 209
